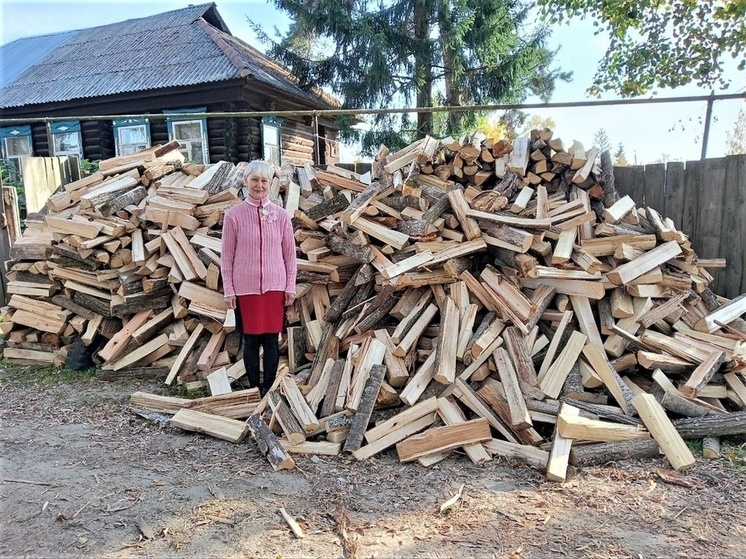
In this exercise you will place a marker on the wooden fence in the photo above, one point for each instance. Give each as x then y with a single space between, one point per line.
707 201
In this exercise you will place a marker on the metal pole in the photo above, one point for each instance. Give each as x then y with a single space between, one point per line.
357 112
316 140
708 118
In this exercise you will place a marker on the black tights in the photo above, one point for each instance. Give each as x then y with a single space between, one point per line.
251 344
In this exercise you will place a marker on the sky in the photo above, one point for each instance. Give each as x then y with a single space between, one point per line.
649 133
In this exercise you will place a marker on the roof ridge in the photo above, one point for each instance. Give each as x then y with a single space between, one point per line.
206 6
225 38
215 34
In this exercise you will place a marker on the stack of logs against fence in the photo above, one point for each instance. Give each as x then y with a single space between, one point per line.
473 297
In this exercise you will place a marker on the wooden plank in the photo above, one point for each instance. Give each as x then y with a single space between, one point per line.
534 457
397 374
661 254
65 226
393 436
596 356
30 355
655 419
554 344
582 288
587 322
702 374
460 208
420 380
519 417
118 343
383 234
673 205
401 419
583 428
268 445
451 414
184 353
364 410
411 337
140 353
443 439
299 405
520 354
219 383
407 264
514 221
178 235
711 211
732 280
551 383
473 401
655 175
564 247
559 456
447 344
724 314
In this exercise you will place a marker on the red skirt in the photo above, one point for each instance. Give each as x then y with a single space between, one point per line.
262 314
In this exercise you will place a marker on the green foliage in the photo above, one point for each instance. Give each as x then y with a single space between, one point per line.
602 141
180 391
8 175
660 43
735 142
417 52
88 167
41 375
733 453
620 158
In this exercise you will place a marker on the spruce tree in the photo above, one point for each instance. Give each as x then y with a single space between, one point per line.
418 53
602 141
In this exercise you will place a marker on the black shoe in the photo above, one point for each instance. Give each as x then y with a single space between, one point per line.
263 391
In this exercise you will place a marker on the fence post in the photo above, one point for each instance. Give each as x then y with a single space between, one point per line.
708 118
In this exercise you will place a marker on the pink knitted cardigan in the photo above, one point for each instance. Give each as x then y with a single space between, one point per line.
258 249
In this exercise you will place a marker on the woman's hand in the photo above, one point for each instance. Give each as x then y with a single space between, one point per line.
289 298
230 302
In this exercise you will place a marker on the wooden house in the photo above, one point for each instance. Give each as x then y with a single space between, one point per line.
178 62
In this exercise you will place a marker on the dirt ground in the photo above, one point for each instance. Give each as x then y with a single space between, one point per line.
78 472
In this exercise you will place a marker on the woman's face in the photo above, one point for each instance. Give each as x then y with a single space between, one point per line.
258 186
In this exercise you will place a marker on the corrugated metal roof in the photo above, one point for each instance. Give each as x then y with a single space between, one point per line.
21 54
173 49
266 70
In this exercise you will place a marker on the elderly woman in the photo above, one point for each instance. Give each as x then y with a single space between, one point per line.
259 268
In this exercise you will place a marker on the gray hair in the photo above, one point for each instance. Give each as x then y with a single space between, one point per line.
259 168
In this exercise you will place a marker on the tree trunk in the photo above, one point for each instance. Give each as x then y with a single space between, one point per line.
715 425
596 454
423 66
452 93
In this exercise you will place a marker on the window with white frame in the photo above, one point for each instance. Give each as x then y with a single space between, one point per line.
131 135
271 139
16 144
191 135
66 139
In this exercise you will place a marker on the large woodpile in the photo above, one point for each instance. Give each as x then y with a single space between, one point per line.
486 296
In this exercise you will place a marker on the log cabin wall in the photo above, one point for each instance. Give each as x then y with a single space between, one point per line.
219 139
706 200
298 145
98 139
40 140
158 132
252 139
330 139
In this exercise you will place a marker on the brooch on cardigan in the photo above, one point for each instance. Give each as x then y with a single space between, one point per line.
268 215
